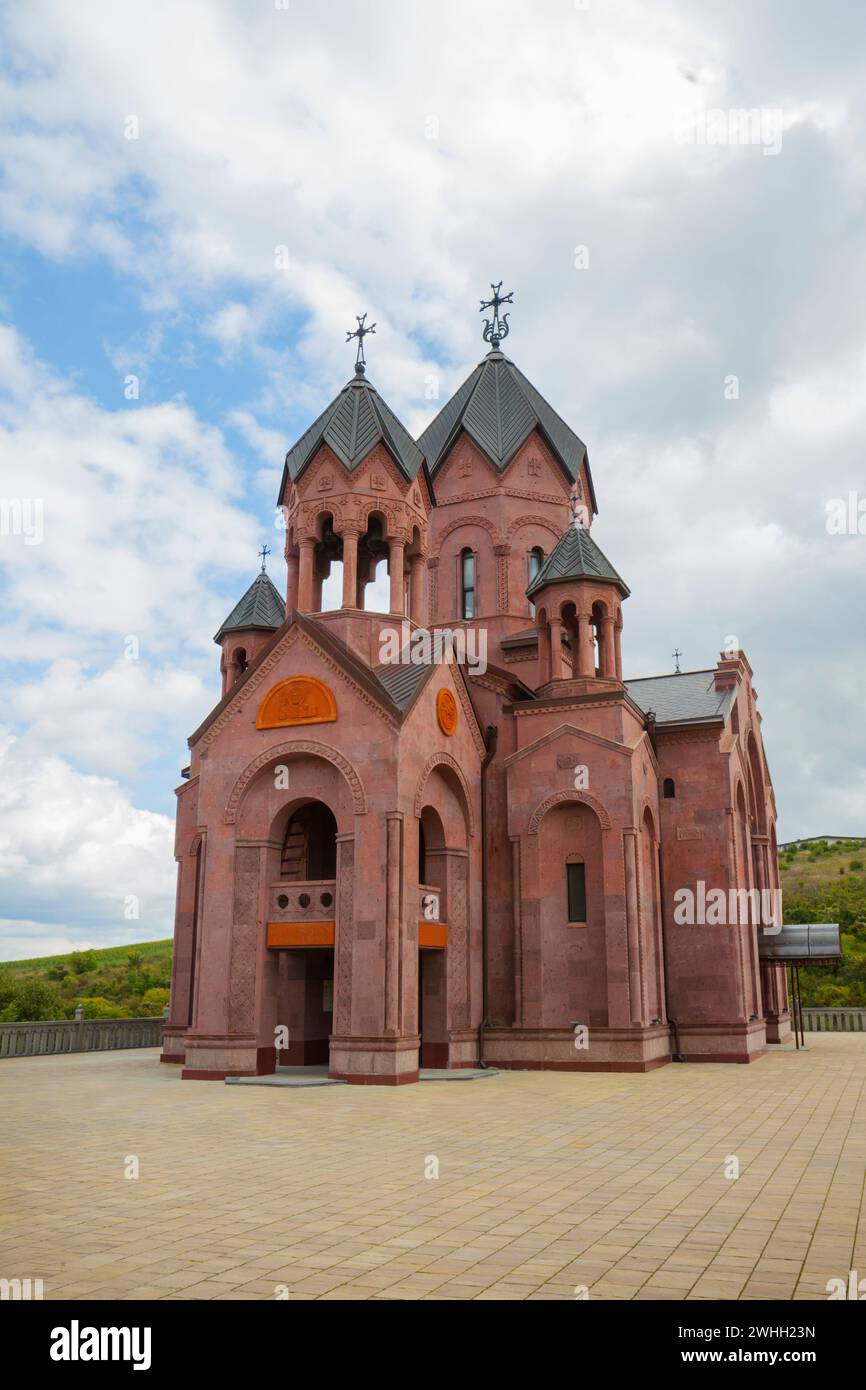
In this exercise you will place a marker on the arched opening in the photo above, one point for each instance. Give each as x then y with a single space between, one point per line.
239 661
669 790
374 591
302 911
468 604
327 557
569 616
599 613
536 560
310 844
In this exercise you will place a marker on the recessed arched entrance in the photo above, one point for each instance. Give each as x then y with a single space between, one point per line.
301 928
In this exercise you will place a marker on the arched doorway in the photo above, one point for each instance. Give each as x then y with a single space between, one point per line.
303 925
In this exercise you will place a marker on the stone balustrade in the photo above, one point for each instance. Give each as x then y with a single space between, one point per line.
78 1035
834 1020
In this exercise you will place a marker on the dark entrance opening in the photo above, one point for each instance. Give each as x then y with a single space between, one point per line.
432 1022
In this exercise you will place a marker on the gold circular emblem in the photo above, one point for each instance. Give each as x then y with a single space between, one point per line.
446 712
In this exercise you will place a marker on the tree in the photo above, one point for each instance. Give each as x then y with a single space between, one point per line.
31 1001
83 961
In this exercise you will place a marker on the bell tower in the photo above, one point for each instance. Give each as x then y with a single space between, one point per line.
578 596
355 490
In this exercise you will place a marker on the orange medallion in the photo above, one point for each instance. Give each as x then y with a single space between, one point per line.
446 711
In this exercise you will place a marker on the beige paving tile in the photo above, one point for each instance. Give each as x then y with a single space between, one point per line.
548 1182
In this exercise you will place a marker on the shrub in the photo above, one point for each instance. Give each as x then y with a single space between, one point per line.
32 1000
83 961
96 1007
153 1002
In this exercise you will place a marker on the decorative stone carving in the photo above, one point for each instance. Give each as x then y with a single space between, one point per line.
297 700
284 750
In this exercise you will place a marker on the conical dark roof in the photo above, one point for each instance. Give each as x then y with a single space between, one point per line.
260 607
353 424
500 408
575 556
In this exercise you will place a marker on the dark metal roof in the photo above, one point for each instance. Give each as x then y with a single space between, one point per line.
801 943
575 556
401 680
260 607
499 408
689 696
353 424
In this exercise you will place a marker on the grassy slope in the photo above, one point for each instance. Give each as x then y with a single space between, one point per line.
819 885
151 952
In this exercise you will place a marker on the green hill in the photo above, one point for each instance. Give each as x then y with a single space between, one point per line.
116 982
824 882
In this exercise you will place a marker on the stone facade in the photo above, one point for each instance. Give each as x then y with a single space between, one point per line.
387 865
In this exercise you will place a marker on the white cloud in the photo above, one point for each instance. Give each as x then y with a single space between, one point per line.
74 848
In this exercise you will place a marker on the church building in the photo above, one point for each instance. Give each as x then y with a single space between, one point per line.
452 833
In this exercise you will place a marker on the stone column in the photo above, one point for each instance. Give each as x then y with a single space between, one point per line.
585 653
635 990
305 575
350 568
518 929
395 567
344 945
417 566
292 566
393 867
544 654
608 657
556 648
617 639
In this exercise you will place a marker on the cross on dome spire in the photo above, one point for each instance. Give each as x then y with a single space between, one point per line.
496 329
263 554
360 333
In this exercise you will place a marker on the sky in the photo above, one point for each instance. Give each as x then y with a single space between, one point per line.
196 199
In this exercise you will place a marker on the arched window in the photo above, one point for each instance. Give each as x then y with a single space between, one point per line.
240 660
310 844
467 583
668 788
536 560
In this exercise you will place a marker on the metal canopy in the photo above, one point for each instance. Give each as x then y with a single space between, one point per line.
802 943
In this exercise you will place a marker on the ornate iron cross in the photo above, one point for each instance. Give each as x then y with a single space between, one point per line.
676 654
360 333
496 329
263 555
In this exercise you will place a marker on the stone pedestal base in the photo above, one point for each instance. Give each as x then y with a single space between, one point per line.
779 1029
374 1061
553 1049
173 1043
722 1042
214 1056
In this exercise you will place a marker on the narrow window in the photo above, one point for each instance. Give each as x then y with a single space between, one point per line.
668 788
536 560
467 583
576 879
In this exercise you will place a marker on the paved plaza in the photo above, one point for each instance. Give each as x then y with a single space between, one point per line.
548 1182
